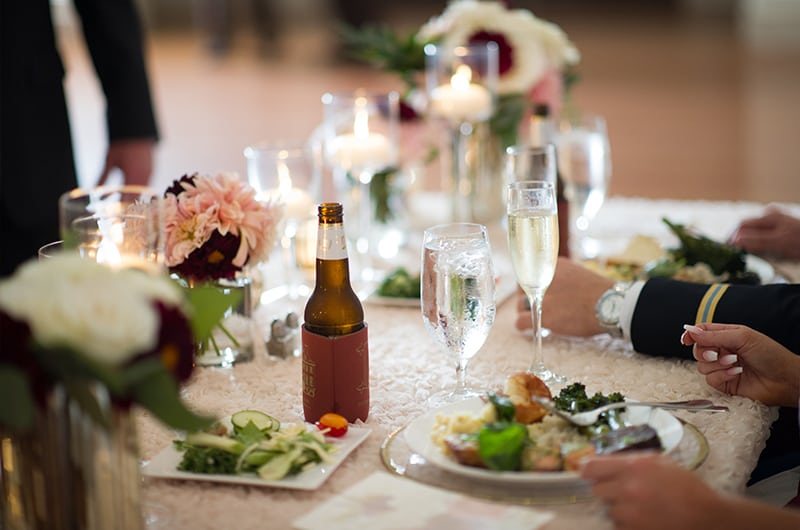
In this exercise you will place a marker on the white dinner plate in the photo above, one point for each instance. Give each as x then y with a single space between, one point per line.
761 267
418 437
165 465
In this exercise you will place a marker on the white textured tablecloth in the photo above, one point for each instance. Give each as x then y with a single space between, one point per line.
406 366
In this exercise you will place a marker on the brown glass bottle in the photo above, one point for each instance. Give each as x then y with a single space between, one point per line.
333 309
542 132
334 335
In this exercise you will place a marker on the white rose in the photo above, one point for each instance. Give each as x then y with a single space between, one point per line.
104 313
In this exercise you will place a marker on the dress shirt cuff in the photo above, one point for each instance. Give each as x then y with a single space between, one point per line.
629 304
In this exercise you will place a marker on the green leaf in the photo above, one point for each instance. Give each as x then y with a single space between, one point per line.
80 391
506 119
159 394
503 406
209 304
66 364
17 410
141 371
250 434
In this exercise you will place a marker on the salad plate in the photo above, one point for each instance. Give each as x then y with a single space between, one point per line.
165 465
418 438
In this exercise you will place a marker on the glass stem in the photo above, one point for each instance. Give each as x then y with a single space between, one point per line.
537 364
461 184
461 377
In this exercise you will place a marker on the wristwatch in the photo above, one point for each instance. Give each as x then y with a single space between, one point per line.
609 308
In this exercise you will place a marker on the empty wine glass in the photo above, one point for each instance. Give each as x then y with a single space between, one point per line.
584 159
458 296
533 242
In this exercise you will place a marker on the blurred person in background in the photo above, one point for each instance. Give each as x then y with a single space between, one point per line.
649 492
36 160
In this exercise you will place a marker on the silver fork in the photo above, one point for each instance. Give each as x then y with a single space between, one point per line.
582 419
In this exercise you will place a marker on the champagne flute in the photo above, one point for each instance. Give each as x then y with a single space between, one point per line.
533 242
458 296
584 159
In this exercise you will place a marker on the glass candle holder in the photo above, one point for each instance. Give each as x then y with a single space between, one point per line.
461 87
122 226
289 175
361 148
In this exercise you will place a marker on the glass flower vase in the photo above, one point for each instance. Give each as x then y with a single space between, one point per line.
70 472
232 340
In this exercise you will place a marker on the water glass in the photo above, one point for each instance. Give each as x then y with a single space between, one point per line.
584 159
458 296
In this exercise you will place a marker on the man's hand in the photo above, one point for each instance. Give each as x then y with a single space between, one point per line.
134 157
568 307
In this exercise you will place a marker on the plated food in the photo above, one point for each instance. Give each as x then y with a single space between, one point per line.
252 447
697 259
510 432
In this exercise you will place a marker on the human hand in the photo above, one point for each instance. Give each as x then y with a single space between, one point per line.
569 301
646 491
776 232
134 157
741 361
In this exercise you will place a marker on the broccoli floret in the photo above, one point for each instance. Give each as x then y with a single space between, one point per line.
696 248
573 399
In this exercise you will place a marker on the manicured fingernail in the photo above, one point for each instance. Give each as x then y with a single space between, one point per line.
693 329
728 360
734 371
710 355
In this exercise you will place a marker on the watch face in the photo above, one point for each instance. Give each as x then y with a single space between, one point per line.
610 307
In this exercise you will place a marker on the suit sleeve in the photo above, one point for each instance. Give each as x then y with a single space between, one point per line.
114 37
664 306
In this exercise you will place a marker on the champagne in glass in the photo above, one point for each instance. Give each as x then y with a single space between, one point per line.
458 296
533 242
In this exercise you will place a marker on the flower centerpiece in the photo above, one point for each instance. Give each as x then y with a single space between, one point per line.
80 344
536 60
215 227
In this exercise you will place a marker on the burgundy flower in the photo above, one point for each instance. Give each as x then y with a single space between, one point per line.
212 261
177 188
505 53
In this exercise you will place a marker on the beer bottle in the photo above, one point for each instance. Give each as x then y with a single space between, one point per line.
543 132
334 336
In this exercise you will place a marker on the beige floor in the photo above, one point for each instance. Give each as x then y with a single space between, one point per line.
691 112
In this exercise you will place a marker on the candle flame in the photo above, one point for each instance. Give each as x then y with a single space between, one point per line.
108 248
361 123
461 78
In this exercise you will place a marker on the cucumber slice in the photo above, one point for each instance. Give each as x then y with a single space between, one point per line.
223 443
263 422
279 466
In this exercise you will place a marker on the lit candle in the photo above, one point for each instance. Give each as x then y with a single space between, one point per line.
461 100
297 202
362 149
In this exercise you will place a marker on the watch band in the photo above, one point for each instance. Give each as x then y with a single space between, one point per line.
609 308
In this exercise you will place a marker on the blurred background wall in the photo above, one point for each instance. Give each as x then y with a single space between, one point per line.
700 95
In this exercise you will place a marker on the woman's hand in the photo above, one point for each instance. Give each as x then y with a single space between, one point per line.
741 361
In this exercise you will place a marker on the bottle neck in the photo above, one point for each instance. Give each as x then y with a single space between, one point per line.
332 253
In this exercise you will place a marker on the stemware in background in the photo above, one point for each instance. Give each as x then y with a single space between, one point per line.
122 226
584 159
458 296
287 174
51 250
461 86
533 243
524 162
360 141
